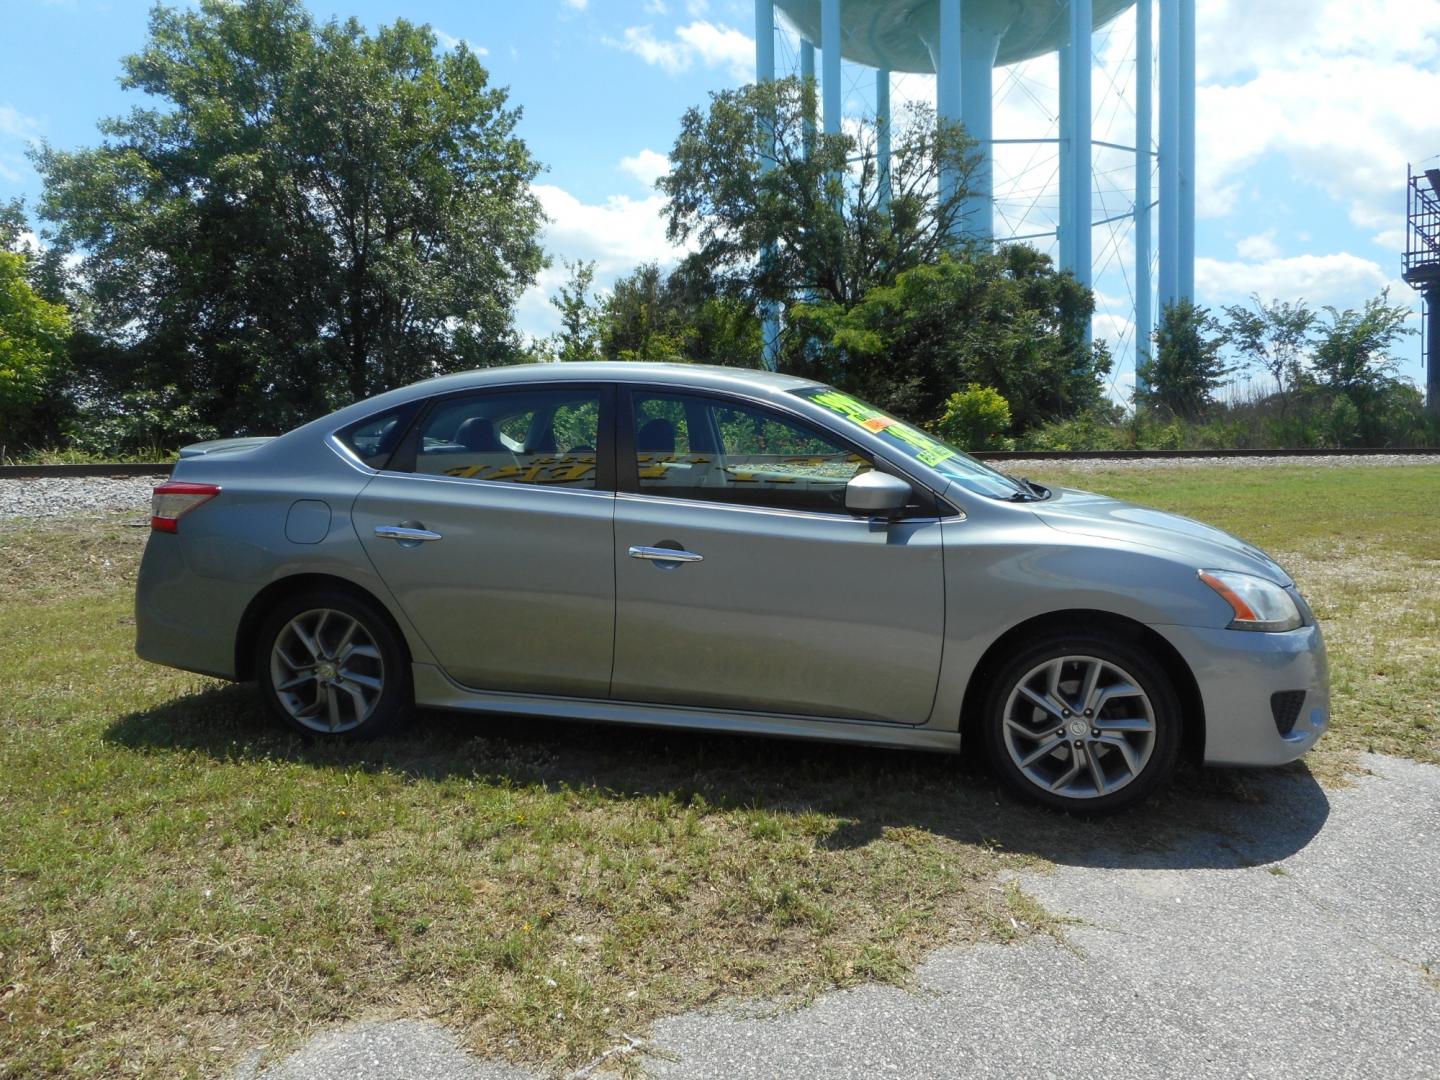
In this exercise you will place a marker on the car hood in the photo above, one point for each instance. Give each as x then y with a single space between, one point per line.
1204 546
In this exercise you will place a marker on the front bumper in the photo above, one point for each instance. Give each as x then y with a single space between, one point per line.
1237 672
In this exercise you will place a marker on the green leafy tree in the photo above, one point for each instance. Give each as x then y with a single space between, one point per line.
1275 337
307 213
33 335
579 335
976 418
810 220
1353 365
1188 366
1005 320
651 315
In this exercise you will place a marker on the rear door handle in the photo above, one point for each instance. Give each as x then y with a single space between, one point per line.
405 533
660 554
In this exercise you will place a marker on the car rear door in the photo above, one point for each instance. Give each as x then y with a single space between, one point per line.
492 527
775 599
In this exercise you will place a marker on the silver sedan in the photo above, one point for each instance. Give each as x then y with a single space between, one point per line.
714 548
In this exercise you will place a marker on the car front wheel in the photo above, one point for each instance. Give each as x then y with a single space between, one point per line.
330 664
1086 723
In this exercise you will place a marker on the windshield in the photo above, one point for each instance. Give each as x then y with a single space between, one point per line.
926 449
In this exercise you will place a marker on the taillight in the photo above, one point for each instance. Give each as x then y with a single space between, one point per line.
174 499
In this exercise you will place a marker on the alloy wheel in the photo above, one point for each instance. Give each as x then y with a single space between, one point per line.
326 670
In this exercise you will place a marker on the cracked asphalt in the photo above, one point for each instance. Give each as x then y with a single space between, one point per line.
1310 949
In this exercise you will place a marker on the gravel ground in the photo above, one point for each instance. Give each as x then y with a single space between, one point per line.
1300 941
53 497
57 497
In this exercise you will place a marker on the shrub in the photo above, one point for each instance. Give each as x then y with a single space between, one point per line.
976 418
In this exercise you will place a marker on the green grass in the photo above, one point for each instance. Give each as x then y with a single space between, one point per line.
181 881
71 456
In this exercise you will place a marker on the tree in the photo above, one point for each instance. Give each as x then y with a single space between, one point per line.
814 223
1274 337
1354 367
33 334
313 214
578 337
1005 320
651 315
1188 365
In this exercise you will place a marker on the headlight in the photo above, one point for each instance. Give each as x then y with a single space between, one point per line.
1258 604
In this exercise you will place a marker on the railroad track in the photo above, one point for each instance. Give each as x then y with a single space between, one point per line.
161 468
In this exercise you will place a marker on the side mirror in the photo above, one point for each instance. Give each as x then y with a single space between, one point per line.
877 494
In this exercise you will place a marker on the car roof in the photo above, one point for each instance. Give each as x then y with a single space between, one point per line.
698 375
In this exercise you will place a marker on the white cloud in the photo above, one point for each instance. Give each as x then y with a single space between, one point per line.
655 7
647 166
577 5
701 41
1259 246
450 41
1331 87
617 235
16 124
1339 278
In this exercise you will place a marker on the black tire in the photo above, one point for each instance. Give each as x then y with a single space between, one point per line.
346 681
1016 730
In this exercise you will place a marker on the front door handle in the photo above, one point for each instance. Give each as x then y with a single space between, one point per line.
663 554
405 533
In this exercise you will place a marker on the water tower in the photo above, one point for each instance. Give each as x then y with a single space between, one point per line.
961 42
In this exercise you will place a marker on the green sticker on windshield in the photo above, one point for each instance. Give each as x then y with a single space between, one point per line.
927 450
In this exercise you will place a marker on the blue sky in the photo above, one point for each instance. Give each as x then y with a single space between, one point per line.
1308 112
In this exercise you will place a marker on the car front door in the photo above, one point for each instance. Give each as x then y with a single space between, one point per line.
775 598
492 527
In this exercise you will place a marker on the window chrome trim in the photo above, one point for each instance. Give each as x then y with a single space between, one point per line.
504 485
810 515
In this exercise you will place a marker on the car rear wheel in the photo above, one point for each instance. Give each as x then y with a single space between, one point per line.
330 664
1087 723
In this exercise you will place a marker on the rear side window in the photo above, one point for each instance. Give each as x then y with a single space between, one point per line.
716 450
541 438
374 439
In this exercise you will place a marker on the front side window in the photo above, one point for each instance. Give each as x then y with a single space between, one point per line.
914 443
697 447
543 438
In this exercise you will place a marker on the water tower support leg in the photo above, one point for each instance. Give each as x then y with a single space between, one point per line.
830 63
1186 240
1081 29
1144 39
1066 225
807 80
1169 153
978 47
947 81
765 72
882 134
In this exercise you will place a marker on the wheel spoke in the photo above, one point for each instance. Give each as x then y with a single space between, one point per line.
291 664
332 706
364 680
357 695
368 651
1137 724
342 649
1045 702
1097 773
1126 751
1116 693
306 639
1044 749
1092 680
1064 778
299 680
